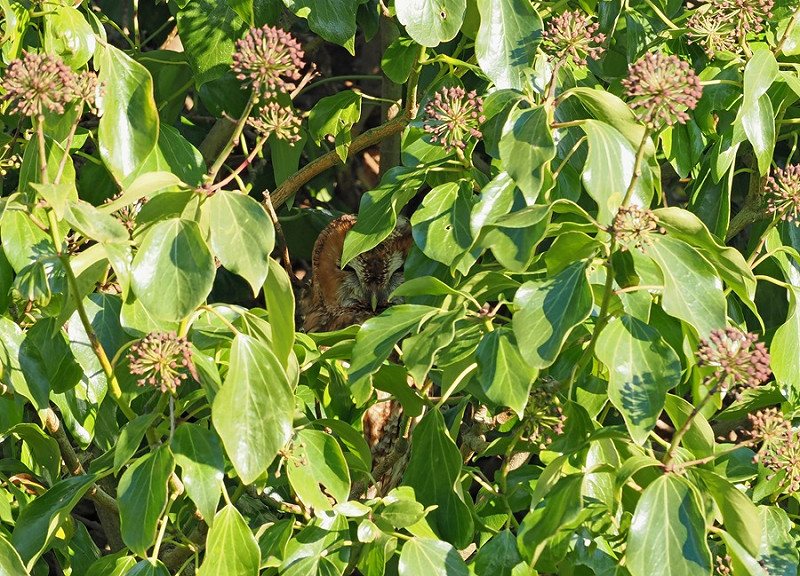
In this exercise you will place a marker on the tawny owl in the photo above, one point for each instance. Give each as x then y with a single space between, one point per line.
338 297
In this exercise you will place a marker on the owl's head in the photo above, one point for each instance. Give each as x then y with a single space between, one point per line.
367 280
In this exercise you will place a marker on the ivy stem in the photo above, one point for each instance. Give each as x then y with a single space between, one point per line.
226 151
670 454
637 167
256 149
761 241
42 149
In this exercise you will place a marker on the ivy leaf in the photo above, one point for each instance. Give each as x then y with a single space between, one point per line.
231 549
692 290
498 556
778 551
10 561
129 125
526 146
316 464
441 224
375 342
505 377
739 515
642 368
280 306
242 235
173 271
430 22
143 497
335 116
507 38
667 536
433 449
199 454
756 114
334 20
432 558
41 519
252 412
148 567
548 310
399 58
785 348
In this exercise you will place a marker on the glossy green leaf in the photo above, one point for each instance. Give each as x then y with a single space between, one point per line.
40 451
94 224
507 38
739 515
130 438
231 549
399 59
69 35
252 412
128 129
280 306
173 153
548 310
402 513
433 449
756 114
441 225
242 235
334 20
375 342
729 262
23 241
244 8
430 557
504 376
668 531
10 561
642 368
419 350
173 270
608 147
335 116
525 148
11 337
612 110
116 564
199 454
38 523
208 31
377 213
778 550
699 436
317 467
46 359
785 348
142 497
431 22
692 289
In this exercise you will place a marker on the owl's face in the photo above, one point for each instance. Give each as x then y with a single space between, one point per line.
365 282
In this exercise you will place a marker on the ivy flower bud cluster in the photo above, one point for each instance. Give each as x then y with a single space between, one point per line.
268 59
572 35
39 83
452 116
725 24
780 447
661 89
277 120
635 227
783 193
739 360
163 360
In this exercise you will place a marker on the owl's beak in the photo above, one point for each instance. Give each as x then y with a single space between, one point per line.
373 300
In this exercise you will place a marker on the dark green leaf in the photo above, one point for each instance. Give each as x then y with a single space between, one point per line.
142 498
548 310
433 449
130 438
668 531
39 521
335 116
399 58
231 549
148 568
498 556
252 412
441 224
419 350
10 562
505 377
778 548
334 20
199 454
525 148
376 340
173 270
45 357
642 368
